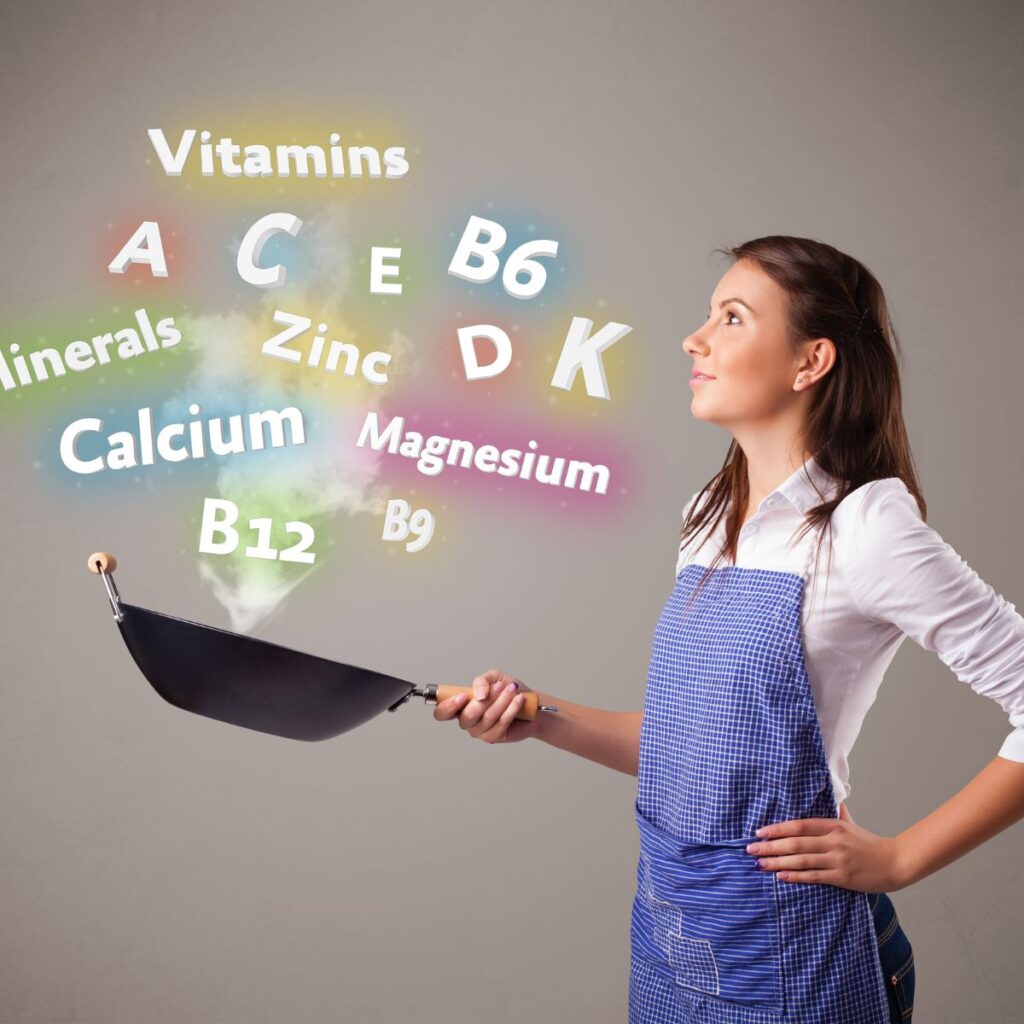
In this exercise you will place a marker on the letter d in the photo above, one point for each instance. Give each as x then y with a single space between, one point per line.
467 346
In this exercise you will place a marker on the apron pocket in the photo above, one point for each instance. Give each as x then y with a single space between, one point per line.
716 921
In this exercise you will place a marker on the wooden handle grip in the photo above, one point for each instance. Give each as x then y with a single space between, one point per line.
527 712
102 559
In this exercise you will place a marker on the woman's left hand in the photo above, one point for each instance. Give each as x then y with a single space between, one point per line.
835 851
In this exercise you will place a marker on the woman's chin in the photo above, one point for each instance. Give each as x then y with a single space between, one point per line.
700 411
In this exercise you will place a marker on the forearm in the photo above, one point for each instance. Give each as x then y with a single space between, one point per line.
992 801
611 738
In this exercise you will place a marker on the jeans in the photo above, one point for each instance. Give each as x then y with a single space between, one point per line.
897 956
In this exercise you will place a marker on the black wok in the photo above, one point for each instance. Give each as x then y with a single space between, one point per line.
259 685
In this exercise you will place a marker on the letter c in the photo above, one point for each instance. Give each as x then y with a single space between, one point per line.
252 245
163 443
67 446
370 372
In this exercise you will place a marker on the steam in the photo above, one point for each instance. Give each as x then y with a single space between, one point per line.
311 482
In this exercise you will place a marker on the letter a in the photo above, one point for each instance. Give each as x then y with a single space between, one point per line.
143 247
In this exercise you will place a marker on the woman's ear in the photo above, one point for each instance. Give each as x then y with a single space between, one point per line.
821 355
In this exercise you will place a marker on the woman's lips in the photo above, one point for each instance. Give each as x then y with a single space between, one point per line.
700 378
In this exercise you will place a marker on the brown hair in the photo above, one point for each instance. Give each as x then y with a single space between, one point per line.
854 428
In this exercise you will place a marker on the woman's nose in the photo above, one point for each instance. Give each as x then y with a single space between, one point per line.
694 345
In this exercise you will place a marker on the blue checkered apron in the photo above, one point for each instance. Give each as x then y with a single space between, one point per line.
730 741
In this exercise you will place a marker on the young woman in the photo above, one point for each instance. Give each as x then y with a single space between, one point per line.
759 899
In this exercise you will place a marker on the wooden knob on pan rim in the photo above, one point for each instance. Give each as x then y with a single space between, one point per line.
102 561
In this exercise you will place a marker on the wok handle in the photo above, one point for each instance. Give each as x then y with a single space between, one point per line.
528 711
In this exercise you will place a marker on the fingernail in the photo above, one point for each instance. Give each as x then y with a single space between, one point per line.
513 685
760 831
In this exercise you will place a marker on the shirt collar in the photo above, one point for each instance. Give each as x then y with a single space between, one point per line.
801 492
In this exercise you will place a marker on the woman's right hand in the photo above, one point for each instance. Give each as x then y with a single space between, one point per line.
490 714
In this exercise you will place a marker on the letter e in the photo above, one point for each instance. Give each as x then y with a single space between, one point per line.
379 270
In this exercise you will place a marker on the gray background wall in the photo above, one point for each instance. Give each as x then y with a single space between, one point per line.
157 866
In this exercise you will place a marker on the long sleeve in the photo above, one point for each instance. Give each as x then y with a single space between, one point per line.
901 571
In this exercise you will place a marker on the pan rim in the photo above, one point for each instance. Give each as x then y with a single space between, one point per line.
128 606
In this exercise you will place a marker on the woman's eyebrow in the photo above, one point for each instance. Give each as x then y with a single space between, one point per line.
734 299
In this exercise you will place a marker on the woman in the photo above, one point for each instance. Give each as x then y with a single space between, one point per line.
758 897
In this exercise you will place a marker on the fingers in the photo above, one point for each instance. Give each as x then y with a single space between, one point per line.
512 702
772 847
798 827
474 711
469 710
483 683
501 691
496 700
489 720
796 862
448 709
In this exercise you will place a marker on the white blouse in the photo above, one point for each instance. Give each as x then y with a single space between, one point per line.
891 576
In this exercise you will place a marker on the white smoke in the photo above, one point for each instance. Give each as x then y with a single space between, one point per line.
307 482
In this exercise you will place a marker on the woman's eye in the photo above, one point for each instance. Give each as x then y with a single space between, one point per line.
728 312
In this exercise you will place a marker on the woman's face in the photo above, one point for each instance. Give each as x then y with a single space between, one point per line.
743 346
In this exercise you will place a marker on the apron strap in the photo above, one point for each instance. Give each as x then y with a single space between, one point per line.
804 557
